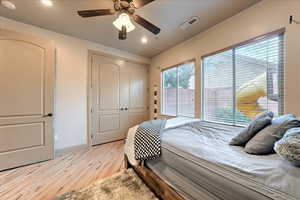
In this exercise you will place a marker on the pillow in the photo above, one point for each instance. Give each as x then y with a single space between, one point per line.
260 122
263 142
289 146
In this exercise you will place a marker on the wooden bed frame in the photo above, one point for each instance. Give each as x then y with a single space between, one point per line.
155 183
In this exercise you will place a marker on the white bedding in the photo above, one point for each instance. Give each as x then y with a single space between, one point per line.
129 145
200 152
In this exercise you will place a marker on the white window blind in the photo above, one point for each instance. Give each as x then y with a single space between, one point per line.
178 90
244 81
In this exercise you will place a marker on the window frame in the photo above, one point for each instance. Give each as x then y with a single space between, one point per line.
193 60
281 108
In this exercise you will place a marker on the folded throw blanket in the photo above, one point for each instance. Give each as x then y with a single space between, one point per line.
147 139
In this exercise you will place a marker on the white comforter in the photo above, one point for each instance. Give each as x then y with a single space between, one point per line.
129 145
195 149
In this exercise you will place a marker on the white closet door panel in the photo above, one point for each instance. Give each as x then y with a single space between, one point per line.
106 117
138 87
109 86
135 118
124 86
138 108
124 97
109 123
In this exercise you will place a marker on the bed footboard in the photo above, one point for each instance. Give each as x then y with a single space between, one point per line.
155 183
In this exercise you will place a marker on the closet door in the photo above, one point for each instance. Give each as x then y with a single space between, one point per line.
26 105
119 98
106 117
138 94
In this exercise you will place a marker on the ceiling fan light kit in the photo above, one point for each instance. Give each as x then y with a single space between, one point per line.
126 11
124 20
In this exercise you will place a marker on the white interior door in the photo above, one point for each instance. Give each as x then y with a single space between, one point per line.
107 120
26 88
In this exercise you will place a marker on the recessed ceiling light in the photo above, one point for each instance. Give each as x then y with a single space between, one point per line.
47 2
8 4
120 62
144 40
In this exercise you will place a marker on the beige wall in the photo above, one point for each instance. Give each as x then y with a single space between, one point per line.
70 119
262 18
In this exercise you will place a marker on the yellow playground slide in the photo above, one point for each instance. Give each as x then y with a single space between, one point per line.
248 95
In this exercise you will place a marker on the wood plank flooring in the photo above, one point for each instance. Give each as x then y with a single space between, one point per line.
46 180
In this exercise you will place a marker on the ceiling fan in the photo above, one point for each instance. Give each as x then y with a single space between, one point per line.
126 11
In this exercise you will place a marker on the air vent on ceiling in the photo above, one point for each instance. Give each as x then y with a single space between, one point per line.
187 24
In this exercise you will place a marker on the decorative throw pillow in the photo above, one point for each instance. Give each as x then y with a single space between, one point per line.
260 122
263 142
289 146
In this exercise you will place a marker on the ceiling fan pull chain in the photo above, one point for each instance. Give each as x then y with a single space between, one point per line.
123 33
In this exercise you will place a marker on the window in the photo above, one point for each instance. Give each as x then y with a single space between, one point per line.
178 90
244 81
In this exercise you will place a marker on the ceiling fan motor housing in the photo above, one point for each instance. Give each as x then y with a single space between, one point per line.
124 5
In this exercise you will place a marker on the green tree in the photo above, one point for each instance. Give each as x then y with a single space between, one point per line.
226 116
170 78
185 74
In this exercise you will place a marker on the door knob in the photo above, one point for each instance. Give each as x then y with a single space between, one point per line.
48 115
126 108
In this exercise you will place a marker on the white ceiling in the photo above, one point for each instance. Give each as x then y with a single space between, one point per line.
166 14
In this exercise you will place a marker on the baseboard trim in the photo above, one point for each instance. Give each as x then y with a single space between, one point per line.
64 151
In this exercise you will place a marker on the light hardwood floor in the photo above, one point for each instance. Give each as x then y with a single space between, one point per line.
46 180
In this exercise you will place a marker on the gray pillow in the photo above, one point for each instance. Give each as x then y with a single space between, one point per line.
289 146
263 142
260 122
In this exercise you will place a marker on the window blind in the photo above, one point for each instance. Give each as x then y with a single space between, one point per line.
178 90
244 81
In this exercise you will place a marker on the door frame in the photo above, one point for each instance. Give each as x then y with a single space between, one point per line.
89 82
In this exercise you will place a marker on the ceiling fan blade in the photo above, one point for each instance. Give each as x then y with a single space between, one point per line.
147 25
141 3
94 13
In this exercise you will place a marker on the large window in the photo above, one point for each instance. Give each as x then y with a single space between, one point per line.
178 90
244 81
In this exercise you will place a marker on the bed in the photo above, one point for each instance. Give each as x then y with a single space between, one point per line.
197 163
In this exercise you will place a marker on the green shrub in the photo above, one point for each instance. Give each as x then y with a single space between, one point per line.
226 116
